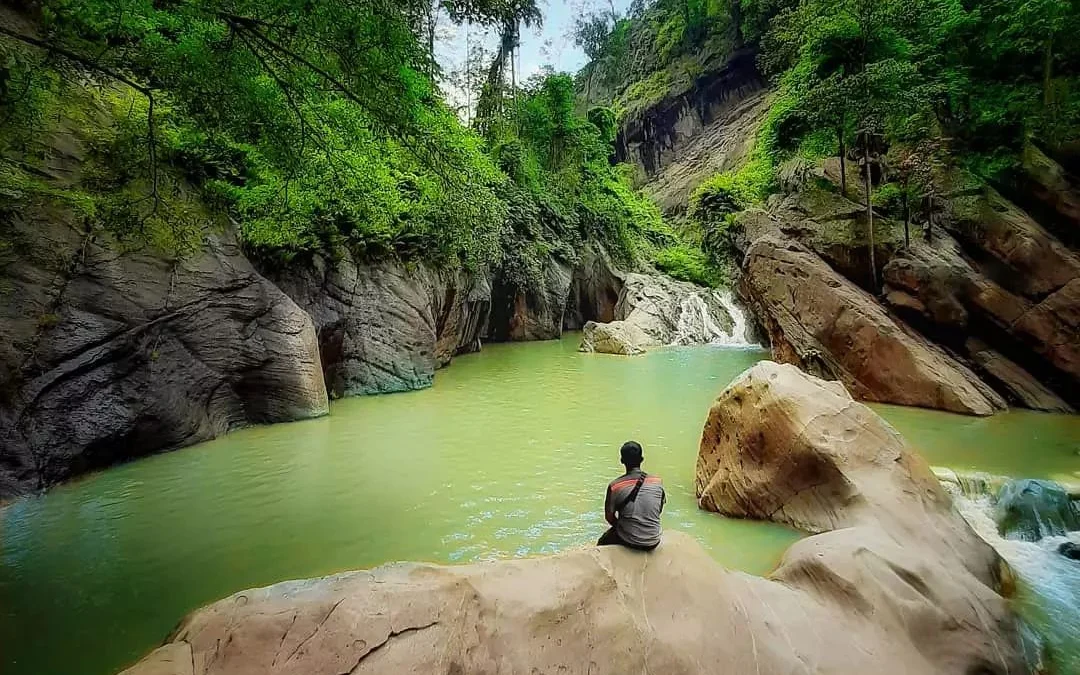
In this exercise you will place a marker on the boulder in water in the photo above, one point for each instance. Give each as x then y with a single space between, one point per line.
1070 550
617 337
1030 509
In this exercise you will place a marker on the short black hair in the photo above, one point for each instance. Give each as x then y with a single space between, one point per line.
631 455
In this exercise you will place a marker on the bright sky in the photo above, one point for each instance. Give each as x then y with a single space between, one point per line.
550 44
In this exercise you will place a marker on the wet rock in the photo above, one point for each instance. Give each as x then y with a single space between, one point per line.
594 289
1030 509
1070 550
532 313
1020 384
824 323
902 588
386 327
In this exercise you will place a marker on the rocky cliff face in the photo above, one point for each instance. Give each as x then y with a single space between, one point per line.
386 328
895 583
682 140
987 288
109 355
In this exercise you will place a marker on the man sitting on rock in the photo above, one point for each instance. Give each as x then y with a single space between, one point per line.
633 504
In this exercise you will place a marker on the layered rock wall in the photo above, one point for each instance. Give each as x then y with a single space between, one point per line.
109 355
386 328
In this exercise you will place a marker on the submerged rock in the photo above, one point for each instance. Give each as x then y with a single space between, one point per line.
1030 509
654 310
904 587
826 324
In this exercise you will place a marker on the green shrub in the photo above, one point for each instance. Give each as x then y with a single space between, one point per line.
688 263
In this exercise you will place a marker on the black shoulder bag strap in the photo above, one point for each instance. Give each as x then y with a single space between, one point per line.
633 493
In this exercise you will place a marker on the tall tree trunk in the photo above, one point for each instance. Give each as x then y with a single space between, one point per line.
468 77
869 212
1048 70
907 219
843 161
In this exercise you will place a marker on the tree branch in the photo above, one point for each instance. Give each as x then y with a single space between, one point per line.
114 74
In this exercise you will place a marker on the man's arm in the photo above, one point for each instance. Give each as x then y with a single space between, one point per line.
609 509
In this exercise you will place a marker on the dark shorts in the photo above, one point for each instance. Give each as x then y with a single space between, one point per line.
612 538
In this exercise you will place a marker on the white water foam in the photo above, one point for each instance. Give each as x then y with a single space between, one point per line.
1048 589
696 324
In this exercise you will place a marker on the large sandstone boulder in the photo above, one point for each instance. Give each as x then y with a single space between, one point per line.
387 327
786 446
818 319
617 337
655 310
876 596
110 355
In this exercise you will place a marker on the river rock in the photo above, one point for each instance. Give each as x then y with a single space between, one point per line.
1070 550
787 446
873 596
655 310
617 337
110 355
816 318
386 327
1030 509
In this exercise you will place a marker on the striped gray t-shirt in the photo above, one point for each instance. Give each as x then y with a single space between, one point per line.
639 522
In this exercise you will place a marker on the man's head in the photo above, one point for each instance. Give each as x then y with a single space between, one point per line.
631 455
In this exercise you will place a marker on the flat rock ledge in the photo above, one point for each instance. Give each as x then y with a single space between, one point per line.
895 583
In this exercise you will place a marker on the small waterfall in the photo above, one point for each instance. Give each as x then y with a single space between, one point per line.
1047 583
739 333
696 324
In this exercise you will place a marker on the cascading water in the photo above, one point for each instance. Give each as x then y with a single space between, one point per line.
696 324
1047 594
739 333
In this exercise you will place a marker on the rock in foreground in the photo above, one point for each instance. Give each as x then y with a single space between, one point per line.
872 597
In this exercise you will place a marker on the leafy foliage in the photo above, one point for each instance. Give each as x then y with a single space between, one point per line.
314 125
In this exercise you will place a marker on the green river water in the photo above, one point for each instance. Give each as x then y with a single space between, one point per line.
507 455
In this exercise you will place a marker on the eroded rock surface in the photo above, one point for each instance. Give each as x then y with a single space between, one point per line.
903 587
114 355
387 328
818 319
532 313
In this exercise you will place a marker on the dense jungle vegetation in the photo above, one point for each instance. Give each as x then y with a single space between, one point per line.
909 89
313 125
317 124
